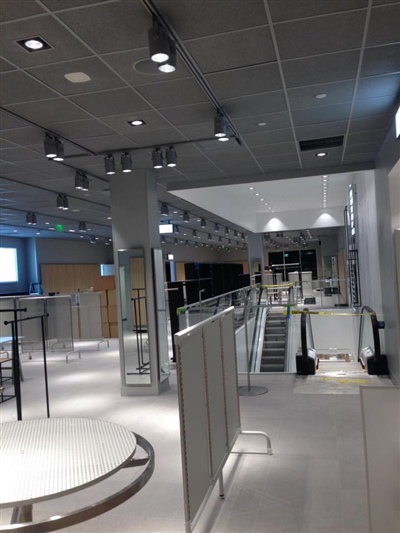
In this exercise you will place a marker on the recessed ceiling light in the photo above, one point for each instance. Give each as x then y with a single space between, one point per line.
251 188
108 218
320 96
34 44
321 154
262 123
261 199
137 122
257 194
325 176
47 223
77 77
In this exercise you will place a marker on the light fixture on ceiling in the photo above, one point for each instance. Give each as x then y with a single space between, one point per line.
92 240
126 162
157 158
162 239
170 156
77 77
31 219
221 127
186 243
185 217
243 236
158 43
203 223
320 96
194 234
137 122
321 154
235 233
59 150
62 202
219 239
169 65
81 181
176 229
176 242
82 227
109 164
164 210
34 44
49 146
209 237
216 227
227 231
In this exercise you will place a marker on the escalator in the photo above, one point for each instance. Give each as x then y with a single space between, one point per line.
369 356
274 345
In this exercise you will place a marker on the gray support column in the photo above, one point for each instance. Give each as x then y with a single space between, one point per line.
256 255
135 221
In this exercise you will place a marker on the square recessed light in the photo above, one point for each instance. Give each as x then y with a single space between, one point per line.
136 122
34 44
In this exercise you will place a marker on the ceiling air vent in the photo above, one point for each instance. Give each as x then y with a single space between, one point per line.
320 144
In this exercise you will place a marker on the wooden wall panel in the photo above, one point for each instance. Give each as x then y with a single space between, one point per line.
67 278
138 281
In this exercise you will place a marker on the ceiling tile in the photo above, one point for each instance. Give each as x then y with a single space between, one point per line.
43 113
189 20
64 45
278 159
272 121
101 77
80 129
156 137
297 9
254 105
55 5
245 81
359 158
6 144
19 154
190 114
119 123
223 155
318 131
173 93
333 153
380 2
370 123
269 137
362 148
270 150
215 145
111 27
8 122
333 33
373 106
24 136
131 64
198 131
281 167
11 10
376 136
336 93
381 60
5 66
223 52
384 25
104 143
330 113
317 163
378 86
19 87
321 69
115 102
204 175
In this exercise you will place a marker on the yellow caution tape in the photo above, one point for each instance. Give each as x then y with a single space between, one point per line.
330 313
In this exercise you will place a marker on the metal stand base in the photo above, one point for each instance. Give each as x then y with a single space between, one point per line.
253 390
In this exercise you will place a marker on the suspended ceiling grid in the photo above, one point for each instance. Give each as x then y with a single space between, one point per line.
265 61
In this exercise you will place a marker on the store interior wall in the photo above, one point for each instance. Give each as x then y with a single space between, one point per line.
385 254
22 285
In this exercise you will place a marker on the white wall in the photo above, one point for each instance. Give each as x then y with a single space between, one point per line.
340 332
387 159
296 220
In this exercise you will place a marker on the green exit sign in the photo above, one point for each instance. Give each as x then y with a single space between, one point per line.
60 227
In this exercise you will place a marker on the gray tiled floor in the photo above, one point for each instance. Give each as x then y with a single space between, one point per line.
314 483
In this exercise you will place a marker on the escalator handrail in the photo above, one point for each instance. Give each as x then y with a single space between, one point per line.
303 332
375 330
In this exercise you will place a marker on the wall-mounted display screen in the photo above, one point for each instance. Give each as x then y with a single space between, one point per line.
8 265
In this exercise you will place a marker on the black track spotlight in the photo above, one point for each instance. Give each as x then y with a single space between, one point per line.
176 229
92 240
221 128
216 228
209 237
170 156
62 202
176 242
185 217
109 164
50 146
227 231
164 210
169 65
85 182
162 239
203 223
82 227
78 180
158 43
126 162
59 150
194 234
157 158
31 219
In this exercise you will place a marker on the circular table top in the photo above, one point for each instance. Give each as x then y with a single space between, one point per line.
50 457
